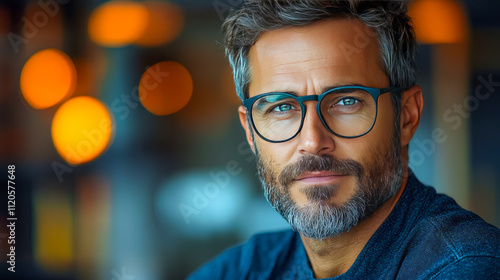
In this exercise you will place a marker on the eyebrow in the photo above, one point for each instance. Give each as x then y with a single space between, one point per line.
262 103
323 90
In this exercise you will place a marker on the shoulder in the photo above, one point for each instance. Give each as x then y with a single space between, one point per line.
473 244
441 219
470 267
260 254
465 233
449 240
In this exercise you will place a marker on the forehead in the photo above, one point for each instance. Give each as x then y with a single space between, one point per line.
322 54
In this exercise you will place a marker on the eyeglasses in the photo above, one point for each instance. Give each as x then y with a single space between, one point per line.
347 112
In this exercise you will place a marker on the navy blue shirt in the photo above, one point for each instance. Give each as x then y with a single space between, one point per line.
426 236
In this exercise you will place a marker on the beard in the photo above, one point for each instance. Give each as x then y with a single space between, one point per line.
375 183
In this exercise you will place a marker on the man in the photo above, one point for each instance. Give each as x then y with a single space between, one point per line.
329 107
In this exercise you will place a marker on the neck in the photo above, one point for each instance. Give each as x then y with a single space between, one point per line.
334 256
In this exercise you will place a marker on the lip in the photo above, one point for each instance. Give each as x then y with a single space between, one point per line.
318 177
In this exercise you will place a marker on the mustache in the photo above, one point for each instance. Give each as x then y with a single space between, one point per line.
311 163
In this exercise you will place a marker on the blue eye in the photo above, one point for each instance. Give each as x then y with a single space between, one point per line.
283 108
348 101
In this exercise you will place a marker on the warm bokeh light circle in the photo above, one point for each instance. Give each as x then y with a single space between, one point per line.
165 88
82 129
165 23
48 77
118 23
438 21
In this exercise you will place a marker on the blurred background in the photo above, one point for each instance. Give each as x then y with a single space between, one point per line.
121 121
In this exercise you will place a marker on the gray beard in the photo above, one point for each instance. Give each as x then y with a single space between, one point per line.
320 219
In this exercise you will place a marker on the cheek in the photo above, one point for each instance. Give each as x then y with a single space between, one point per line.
280 154
385 115
383 130
368 148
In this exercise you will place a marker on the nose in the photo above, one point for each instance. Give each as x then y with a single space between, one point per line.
314 138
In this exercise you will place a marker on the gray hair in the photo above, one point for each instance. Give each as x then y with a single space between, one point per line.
388 19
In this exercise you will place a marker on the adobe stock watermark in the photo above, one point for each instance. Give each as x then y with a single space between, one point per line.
203 196
123 275
152 79
31 26
223 7
120 108
454 117
362 39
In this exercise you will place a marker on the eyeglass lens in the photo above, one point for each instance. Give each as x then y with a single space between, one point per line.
347 112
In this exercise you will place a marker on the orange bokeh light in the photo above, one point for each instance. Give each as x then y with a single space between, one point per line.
165 88
165 23
47 78
82 129
438 21
118 23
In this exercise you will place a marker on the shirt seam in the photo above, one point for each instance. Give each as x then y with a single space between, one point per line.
447 240
459 260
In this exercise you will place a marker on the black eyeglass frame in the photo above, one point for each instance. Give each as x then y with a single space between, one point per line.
374 92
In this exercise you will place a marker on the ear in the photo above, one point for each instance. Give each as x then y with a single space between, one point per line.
242 111
411 111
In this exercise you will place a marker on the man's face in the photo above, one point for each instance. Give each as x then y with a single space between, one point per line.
322 184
